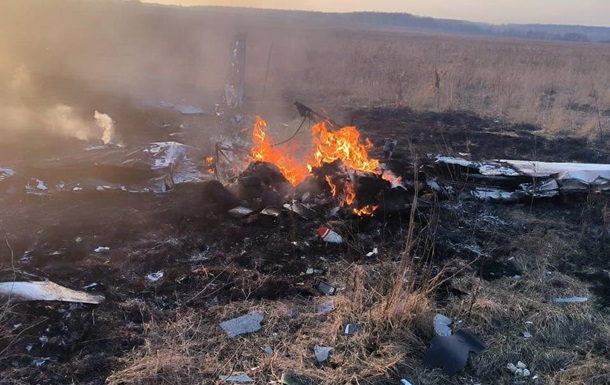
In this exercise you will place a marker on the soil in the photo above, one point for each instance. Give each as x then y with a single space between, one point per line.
208 258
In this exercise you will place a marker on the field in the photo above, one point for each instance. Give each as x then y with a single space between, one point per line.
493 268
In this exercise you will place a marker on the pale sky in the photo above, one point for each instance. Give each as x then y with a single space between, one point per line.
584 12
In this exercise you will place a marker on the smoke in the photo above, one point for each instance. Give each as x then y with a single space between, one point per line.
106 123
25 113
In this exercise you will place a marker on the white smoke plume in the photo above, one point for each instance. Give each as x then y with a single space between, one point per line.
106 123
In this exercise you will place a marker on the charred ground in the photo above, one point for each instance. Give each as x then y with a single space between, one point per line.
499 266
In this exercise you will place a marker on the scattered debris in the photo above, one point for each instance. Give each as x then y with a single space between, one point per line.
301 210
38 362
321 352
45 291
329 235
101 248
291 379
248 323
325 288
405 382
441 325
236 378
240 212
352 328
511 180
519 370
570 300
154 277
325 307
374 252
268 350
451 353
527 334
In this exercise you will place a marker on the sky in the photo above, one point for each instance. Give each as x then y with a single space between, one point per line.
582 12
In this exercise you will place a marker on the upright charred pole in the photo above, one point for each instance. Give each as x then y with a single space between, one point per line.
229 110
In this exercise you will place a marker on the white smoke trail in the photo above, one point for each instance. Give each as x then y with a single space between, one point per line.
106 123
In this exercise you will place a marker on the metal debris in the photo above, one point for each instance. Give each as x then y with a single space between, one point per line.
451 353
240 212
325 307
321 352
154 277
441 325
352 328
301 210
45 291
248 323
570 300
101 248
236 378
325 288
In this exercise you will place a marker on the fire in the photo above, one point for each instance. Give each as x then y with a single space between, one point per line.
329 146
263 151
343 145
333 187
209 162
366 210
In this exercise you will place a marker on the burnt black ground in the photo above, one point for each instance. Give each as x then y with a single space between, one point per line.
207 257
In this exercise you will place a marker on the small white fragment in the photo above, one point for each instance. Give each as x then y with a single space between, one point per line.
441 325
527 334
526 373
154 277
90 286
237 378
309 271
510 366
519 372
248 323
43 340
101 248
267 349
374 252
570 300
40 361
321 352
405 382
521 365
325 307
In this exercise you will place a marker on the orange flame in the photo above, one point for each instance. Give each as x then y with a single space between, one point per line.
366 210
333 187
209 162
263 151
343 145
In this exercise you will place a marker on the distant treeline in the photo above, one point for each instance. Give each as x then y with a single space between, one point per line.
575 33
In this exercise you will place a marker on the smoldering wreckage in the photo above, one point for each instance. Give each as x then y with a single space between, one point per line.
329 180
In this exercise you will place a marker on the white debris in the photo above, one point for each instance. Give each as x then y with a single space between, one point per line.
570 300
237 378
405 382
40 361
90 286
321 352
325 307
441 325
267 349
99 249
526 373
154 277
45 291
248 323
374 252
510 366
521 365
527 334
6 173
